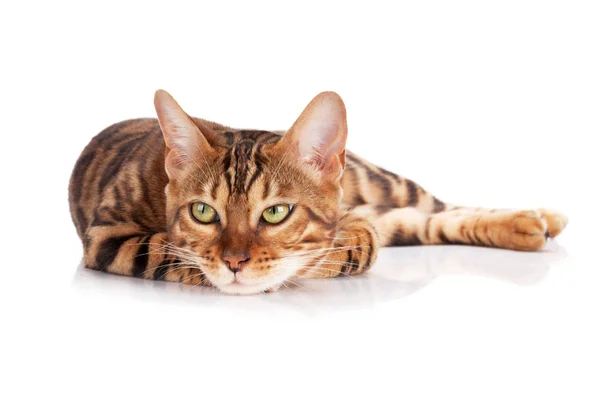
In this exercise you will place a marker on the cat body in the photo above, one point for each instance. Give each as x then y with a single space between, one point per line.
192 201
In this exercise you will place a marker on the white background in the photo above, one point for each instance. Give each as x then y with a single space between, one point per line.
483 103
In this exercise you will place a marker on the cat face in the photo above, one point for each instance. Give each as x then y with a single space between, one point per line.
253 209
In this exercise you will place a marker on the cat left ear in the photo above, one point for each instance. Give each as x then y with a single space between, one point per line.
318 137
182 136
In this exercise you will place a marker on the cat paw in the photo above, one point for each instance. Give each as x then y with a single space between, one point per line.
521 230
556 221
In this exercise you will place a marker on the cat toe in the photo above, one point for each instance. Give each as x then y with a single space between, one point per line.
556 222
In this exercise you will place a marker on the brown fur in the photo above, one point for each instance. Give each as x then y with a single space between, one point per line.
131 189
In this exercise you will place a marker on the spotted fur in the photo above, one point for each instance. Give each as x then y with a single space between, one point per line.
131 190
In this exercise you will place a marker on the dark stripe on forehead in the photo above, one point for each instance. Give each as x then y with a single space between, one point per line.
229 137
266 189
243 163
258 136
252 135
259 161
242 152
227 161
226 167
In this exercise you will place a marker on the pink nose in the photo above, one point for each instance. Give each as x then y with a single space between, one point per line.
236 262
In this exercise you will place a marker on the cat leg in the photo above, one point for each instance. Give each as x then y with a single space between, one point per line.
125 250
353 251
508 229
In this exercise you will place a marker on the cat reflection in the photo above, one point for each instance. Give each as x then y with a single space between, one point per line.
398 272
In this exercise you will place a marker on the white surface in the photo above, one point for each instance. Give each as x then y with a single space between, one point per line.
483 103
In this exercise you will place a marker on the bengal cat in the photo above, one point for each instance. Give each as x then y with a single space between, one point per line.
246 211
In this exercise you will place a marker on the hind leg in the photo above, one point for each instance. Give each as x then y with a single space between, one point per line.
508 229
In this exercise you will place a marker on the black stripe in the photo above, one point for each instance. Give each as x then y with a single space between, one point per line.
229 137
388 173
383 182
118 197
401 238
115 215
122 154
99 221
438 206
478 239
140 262
465 232
82 222
358 199
242 154
347 264
163 268
258 162
355 265
267 189
138 216
227 161
272 139
104 220
226 166
228 180
427 228
268 137
412 192
108 250
145 186
444 239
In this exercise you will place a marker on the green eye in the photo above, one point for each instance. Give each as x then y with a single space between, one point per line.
276 214
204 213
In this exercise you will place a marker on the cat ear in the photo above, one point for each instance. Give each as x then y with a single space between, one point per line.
318 136
183 138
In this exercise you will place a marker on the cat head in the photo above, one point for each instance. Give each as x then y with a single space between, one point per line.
252 209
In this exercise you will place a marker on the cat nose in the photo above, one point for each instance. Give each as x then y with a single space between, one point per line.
236 262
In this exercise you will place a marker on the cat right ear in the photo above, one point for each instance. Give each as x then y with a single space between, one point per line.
183 138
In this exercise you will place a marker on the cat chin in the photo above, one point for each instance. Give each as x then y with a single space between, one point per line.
238 288
285 271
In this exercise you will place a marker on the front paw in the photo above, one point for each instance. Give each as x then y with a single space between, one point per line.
354 249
